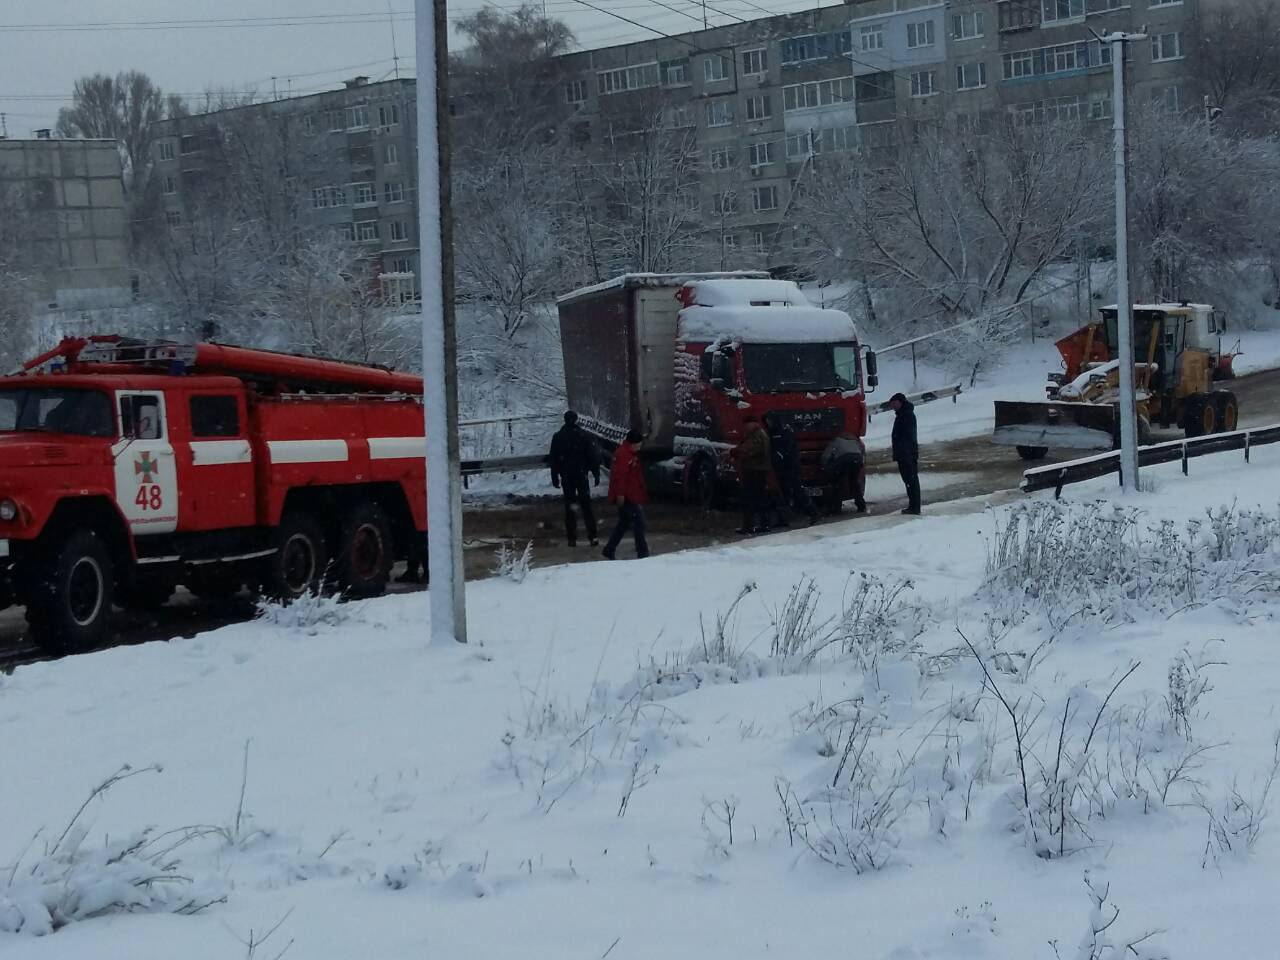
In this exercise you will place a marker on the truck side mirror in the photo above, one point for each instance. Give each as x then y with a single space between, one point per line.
720 370
873 377
1220 321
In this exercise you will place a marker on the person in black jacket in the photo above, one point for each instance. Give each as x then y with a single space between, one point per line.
786 467
906 450
573 456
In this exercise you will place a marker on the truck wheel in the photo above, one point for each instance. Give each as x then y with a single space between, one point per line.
298 565
365 551
1201 417
1228 409
71 598
707 489
1032 453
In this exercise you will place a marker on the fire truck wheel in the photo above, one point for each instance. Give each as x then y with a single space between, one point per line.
706 484
365 551
298 565
72 595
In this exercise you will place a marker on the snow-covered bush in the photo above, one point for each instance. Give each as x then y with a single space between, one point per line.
1100 941
1187 685
1236 817
308 613
511 565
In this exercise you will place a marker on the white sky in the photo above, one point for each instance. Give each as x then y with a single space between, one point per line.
45 46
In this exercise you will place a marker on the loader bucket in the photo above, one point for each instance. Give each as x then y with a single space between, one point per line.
1071 426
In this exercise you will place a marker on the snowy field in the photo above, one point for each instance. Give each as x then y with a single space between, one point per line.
753 751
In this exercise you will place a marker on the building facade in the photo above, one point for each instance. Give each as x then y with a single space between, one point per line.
70 196
351 159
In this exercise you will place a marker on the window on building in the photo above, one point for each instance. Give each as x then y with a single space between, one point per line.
1020 64
798 146
388 115
719 112
367 230
322 198
364 194
391 154
760 240
872 37
730 241
971 76
575 91
818 93
1052 110
173 218
358 117
764 198
724 204
877 136
1166 46
680 116
875 86
188 145
760 154
347 231
336 120
215 417
715 67
968 26
170 185
309 124
402 265
1170 98
639 77
922 84
1019 14
721 158
839 139
759 107
399 231
755 61
1054 11
674 73
1100 106
817 46
166 150
920 33
393 191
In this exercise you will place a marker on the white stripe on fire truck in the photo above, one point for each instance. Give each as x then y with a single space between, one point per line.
210 453
308 451
397 448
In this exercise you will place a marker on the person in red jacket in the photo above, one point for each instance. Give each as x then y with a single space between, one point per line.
627 490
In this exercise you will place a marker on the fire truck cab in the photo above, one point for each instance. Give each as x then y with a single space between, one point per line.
128 468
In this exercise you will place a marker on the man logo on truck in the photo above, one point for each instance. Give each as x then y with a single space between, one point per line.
146 466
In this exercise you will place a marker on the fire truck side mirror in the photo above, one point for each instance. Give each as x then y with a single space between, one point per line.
873 376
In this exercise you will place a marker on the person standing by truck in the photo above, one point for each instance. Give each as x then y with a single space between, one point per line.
755 464
906 449
573 456
786 468
628 492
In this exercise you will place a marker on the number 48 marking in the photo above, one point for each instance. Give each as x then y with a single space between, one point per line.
149 497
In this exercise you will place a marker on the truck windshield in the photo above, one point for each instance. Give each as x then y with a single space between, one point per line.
807 367
83 413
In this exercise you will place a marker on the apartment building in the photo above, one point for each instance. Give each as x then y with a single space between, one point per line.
71 197
767 98
352 160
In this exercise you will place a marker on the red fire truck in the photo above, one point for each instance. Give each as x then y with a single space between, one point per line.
130 467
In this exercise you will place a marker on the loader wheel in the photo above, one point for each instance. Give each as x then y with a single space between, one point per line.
1032 453
298 565
71 597
1201 417
1228 410
365 551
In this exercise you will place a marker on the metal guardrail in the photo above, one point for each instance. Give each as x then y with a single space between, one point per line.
924 396
1055 476
512 464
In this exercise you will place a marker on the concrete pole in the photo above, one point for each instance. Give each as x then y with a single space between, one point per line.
439 339
1124 301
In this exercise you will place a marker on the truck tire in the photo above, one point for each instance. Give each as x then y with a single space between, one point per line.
1200 417
365 551
70 603
1032 453
1228 409
298 565
707 490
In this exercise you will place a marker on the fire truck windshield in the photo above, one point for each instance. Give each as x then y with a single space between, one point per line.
807 367
84 413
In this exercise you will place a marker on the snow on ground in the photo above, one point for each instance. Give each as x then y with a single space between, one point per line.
595 774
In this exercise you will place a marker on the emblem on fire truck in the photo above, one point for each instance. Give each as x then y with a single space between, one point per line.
146 466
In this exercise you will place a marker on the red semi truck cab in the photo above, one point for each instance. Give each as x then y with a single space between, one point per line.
128 468
687 358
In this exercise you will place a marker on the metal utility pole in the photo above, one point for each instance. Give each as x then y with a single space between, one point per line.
439 338
1124 300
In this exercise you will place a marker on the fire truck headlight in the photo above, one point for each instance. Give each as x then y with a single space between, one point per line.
8 510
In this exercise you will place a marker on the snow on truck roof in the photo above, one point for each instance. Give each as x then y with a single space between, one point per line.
760 311
673 280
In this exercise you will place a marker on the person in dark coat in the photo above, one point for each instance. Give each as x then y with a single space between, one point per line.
755 466
573 456
627 490
843 465
906 450
786 468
